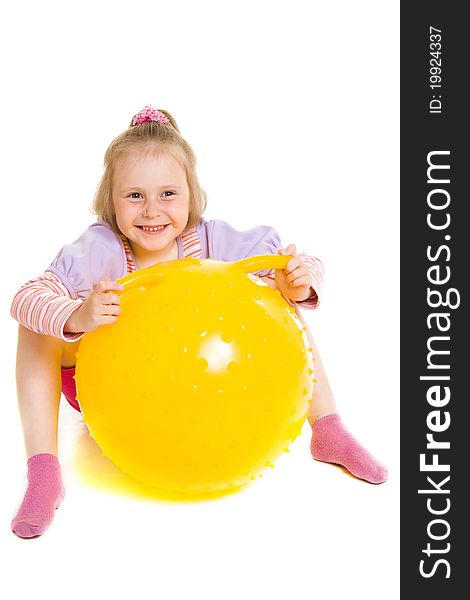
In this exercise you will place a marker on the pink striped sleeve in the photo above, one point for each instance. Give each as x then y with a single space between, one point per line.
44 305
315 268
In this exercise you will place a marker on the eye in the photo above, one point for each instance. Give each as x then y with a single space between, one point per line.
168 192
135 195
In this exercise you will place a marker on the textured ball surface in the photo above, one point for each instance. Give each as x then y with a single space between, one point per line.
203 381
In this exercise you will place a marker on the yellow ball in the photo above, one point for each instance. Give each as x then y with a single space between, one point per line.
203 381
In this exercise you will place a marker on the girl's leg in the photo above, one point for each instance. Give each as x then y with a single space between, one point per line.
38 378
331 441
38 385
324 402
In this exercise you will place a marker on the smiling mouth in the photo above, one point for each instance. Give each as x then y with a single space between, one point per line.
155 229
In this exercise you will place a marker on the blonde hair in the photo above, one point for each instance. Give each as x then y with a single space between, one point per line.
143 138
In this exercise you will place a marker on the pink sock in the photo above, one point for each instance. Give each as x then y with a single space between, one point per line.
44 494
332 443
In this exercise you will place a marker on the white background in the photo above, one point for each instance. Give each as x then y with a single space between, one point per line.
292 110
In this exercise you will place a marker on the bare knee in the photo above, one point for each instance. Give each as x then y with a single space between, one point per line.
33 345
31 339
36 353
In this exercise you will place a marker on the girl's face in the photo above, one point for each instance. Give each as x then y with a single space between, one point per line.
151 202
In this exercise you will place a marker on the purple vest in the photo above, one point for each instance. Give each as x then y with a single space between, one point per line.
99 254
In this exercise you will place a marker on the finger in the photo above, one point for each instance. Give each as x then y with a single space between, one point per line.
108 320
105 286
111 309
110 298
290 250
298 272
293 264
303 281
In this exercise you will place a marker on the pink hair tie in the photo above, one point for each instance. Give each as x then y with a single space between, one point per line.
148 114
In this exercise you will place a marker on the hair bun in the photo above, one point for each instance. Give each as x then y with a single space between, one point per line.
148 114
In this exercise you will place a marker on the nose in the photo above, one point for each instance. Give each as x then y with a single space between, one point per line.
151 208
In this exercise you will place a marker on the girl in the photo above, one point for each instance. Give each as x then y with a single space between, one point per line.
149 206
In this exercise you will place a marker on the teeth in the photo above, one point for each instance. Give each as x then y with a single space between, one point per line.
153 228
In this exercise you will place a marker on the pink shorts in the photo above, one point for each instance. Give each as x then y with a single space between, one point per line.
68 387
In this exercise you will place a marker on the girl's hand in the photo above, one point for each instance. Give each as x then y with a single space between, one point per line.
295 280
100 308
